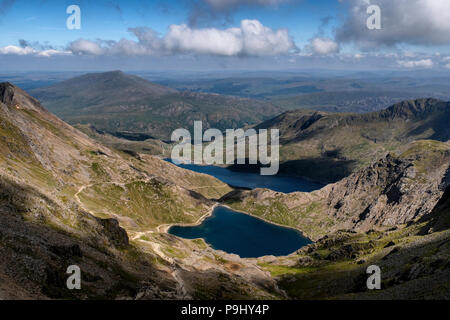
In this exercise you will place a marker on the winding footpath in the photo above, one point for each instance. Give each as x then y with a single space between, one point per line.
156 247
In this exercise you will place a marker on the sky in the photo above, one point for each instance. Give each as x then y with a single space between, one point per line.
225 35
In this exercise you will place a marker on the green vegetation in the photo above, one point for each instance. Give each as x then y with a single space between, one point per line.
148 204
99 171
330 146
279 270
308 217
60 189
116 102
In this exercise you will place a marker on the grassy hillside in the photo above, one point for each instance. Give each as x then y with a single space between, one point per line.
115 102
66 199
139 144
413 265
329 146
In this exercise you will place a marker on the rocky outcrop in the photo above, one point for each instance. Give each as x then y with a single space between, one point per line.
6 93
387 193
116 235
396 189
412 109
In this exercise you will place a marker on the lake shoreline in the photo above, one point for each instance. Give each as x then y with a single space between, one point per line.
164 228
246 235
321 184
268 221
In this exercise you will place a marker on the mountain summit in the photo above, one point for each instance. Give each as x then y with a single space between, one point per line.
113 85
413 109
115 101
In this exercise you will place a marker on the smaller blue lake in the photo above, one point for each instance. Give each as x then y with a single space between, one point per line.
244 235
252 180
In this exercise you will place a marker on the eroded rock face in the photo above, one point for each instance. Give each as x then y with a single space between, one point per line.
6 93
115 234
396 189
387 193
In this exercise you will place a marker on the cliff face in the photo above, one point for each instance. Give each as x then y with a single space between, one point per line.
396 189
391 191
395 214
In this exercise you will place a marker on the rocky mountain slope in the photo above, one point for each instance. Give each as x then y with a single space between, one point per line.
130 143
396 189
68 200
116 102
414 264
330 146
393 214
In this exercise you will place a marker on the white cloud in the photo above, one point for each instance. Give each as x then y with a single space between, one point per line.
417 22
83 46
52 52
182 38
424 63
323 46
447 66
14 50
259 40
250 38
27 51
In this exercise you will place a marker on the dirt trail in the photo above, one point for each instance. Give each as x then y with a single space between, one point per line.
175 273
164 228
156 247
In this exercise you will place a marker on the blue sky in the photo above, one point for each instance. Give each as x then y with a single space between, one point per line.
254 34
39 20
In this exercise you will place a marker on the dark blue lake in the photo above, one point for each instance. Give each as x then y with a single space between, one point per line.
244 235
252 180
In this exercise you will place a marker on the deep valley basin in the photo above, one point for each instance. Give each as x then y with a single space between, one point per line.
242 234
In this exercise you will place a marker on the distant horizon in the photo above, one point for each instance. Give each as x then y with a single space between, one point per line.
319 71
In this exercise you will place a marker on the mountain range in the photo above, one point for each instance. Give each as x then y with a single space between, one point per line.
340 92
329 146
66 198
